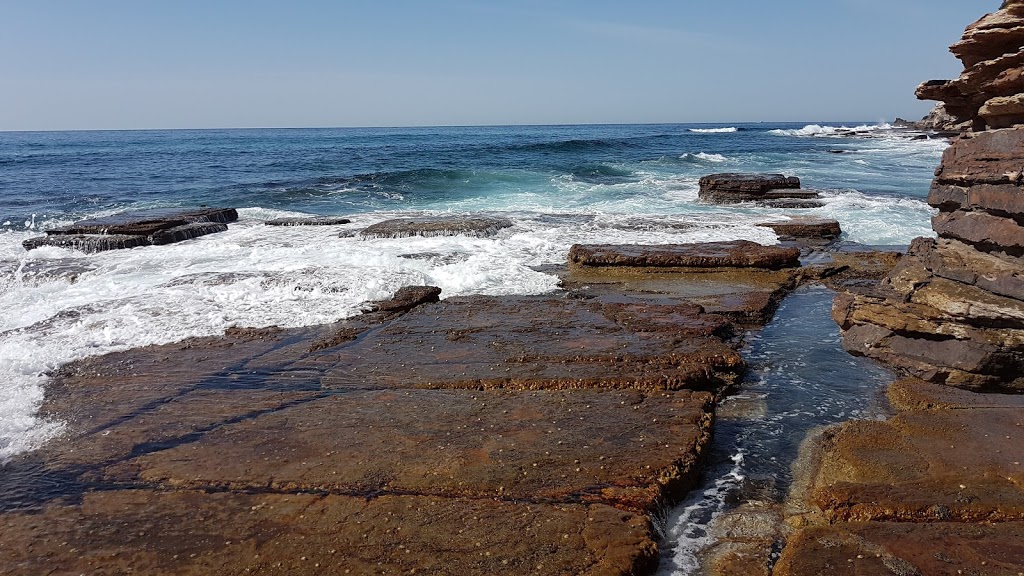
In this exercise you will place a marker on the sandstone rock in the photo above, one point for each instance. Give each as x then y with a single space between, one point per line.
913 394
991 157
806 227
1003 111
567 446
740 253
982 230
437 226
902 549
933 465
308 221
731 188
151 532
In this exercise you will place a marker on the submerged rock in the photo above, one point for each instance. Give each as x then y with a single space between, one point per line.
308 221
436 226
44 270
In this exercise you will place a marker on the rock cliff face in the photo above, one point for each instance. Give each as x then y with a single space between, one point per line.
989 92
953 310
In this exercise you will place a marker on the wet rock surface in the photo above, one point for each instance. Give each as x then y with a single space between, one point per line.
733 188
806 228
888 549
182 532
308 221
935 489
136 228
67 269
436 226
736 254
545 431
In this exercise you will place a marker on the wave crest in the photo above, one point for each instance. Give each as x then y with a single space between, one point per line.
817 130
714 130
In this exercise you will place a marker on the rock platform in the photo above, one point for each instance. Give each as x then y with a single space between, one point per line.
771 189
436 226
480 434
136 228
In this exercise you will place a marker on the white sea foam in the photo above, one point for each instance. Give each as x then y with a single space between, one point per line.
817 130
704 157
714 130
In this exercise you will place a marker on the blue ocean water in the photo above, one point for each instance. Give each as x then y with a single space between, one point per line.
59 176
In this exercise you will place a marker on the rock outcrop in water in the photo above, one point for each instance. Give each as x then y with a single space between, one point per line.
436 226
769 189
137 228
953 310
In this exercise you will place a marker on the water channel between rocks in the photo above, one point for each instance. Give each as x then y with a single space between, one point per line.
800 378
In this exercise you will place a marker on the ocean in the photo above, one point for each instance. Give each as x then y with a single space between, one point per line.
560 185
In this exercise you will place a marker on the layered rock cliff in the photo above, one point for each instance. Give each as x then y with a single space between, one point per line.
953 310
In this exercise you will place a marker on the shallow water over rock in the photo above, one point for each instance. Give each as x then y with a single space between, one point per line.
800 379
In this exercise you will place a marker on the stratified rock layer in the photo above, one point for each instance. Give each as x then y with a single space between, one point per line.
989 91
308 221
730 188
953 310
136 228
936 489
735 254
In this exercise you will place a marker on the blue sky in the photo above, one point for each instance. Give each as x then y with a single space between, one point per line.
105 64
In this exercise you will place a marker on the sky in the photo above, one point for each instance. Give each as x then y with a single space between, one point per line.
134 64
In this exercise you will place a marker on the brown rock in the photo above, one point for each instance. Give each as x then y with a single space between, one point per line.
732 188
925 466
739 253
991 157
806 227
408 298
1003 111
573 446
146 532
914 394
901 549
88 243
1005 198
982 230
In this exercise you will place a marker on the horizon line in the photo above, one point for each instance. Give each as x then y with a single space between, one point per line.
428 126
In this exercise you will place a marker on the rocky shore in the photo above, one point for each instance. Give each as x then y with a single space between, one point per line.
937 487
